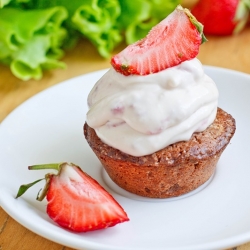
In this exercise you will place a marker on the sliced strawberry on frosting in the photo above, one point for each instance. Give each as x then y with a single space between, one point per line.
76 201
175 39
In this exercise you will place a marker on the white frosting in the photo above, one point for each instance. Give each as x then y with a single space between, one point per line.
140 115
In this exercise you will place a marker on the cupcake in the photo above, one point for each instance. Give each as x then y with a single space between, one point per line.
153 119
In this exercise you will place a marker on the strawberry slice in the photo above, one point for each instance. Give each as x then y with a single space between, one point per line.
76 201
175 39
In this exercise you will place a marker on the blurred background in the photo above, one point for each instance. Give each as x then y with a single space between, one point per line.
36 35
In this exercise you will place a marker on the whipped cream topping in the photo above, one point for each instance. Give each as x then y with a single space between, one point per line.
140 115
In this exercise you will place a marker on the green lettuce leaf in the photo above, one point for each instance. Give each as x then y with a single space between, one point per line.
139 16
97 20
35 56
3 3
94 19
30 40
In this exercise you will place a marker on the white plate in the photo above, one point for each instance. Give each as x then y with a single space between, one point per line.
48 128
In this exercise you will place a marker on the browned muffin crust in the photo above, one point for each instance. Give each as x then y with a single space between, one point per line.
172 171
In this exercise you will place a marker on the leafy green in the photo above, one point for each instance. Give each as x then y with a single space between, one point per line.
35 33
34 45
4 2
139 16
97 21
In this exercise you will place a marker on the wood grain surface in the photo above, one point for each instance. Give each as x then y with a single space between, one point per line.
231 52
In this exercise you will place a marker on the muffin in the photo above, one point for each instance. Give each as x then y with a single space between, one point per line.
153 118
173 171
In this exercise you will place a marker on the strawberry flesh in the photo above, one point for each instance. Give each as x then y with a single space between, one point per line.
172 41
77 202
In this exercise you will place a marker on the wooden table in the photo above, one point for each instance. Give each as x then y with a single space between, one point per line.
230 52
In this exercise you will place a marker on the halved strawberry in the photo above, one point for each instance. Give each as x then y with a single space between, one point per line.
76 201
224 17
175 39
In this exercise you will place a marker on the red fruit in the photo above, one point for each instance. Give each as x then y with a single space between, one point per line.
76 201
223 17
175 39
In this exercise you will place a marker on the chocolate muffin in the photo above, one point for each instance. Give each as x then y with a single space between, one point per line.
173 171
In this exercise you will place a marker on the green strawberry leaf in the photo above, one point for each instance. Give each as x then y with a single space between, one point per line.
23 188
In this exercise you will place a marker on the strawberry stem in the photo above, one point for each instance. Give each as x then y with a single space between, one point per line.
241 15
41 194
55 166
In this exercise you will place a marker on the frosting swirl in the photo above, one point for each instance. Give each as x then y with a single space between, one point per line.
140 115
